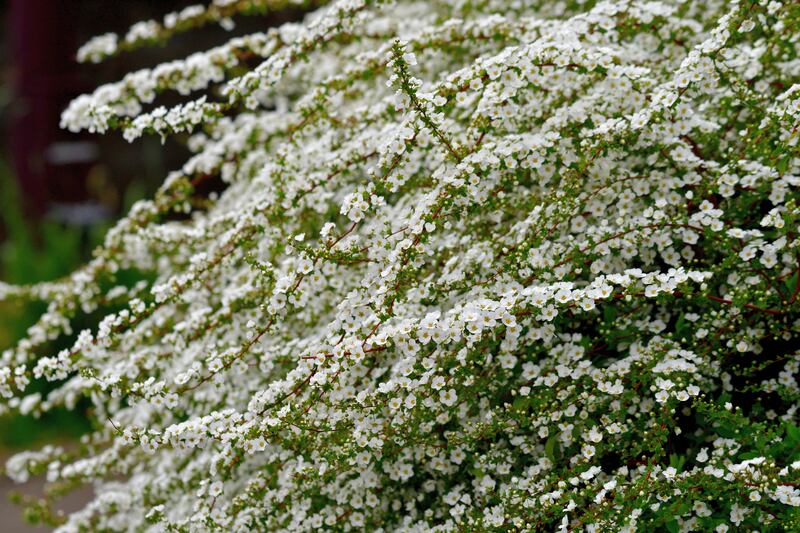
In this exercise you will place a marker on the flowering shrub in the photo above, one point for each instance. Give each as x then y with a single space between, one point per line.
446 265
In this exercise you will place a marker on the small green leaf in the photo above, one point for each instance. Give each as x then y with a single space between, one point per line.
793 432
749 455
681 323
783 164
552 448
609 312
677 461
726 431
791 283
521 402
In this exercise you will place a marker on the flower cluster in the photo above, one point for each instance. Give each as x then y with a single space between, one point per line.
468 266
150 32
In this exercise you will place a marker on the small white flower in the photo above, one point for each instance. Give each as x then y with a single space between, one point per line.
448 397
410 401
588 451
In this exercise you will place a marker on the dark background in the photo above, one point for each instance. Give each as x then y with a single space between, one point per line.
73 178
58 172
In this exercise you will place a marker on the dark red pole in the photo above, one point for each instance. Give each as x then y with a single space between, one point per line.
41 50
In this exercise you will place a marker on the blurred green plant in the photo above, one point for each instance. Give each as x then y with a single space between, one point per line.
30 255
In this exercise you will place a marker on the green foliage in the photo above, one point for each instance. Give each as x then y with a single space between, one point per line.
23 260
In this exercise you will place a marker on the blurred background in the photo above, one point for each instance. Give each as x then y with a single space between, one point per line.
59 191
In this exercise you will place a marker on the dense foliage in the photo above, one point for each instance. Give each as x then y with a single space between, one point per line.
452 265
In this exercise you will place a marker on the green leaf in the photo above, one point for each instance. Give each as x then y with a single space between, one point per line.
672 526
748 455
726 431
680 324
677 461
793 432
521 402
552 448
791 283
609 313
783 164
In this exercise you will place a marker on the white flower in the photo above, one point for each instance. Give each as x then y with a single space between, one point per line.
742 346
448 397
738 514
588 451
410 401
